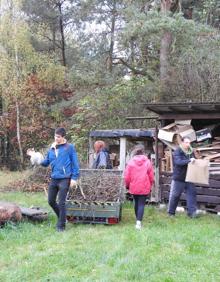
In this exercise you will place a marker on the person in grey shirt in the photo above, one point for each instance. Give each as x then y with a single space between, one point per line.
102 160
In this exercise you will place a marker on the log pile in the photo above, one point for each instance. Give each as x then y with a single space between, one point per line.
208 196
36 181
98 186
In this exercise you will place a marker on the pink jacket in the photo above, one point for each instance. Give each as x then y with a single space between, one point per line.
139 175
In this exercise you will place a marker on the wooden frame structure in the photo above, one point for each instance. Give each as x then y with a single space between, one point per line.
201 114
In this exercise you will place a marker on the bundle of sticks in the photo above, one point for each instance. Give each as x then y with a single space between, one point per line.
98 187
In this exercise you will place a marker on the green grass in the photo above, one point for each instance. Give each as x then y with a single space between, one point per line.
166 249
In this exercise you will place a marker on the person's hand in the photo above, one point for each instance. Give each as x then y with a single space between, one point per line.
73 183
192 160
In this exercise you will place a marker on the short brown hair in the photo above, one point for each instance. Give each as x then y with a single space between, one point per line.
60 131
138 150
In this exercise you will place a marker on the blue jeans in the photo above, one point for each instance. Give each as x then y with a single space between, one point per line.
60 187
177 187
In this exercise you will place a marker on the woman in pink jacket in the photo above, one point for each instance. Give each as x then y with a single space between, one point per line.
139 177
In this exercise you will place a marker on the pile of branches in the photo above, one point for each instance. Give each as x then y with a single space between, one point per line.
98 186
36 181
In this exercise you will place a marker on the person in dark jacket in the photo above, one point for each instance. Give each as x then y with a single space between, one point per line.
62 158
181 157
102 160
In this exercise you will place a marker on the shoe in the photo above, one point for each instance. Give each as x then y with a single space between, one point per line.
60 229
138 224
171 215
194 215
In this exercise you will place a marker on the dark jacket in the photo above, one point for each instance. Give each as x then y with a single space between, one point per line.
63 161
102 160
180 162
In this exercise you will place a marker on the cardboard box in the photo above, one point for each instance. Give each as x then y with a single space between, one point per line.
203 134
173 133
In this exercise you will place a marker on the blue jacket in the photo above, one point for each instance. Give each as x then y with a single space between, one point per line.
63 161
180 162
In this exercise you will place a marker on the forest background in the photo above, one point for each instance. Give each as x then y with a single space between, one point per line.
88 64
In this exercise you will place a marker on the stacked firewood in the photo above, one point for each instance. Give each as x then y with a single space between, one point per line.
211 152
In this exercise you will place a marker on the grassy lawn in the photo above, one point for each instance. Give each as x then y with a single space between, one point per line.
166 249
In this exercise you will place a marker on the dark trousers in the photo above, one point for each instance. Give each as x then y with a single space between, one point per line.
60 187
177 187
139 203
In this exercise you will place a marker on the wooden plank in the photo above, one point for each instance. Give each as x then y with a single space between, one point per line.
165 187
165 180
200 198
210 157
217 168
215 143
192 116
201 149
165 173
212 183
207 191
122 153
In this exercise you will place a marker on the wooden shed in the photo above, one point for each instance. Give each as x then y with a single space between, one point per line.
202 115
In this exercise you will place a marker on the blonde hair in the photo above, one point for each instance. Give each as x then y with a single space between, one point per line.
98 145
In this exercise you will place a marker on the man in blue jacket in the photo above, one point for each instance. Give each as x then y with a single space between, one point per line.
62 158
181 157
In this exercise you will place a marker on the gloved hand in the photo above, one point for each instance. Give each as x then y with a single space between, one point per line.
36 158
73 183
192 160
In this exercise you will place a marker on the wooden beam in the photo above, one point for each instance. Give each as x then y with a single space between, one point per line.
141 118
191 116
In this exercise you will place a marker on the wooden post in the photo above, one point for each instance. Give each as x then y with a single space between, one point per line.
122 153
157 196
90 154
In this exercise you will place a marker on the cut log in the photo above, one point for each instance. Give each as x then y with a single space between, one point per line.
9 212
35 213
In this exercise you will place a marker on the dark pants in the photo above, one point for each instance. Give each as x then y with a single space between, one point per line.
139 203
60 187
177 187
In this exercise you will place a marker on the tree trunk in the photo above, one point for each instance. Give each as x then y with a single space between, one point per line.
166 6
18 132
16 98
63 45
112 41
166 42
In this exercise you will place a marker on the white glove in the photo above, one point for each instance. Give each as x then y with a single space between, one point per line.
73 183
192 160
36 157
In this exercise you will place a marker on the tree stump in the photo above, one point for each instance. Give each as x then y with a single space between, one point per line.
9 212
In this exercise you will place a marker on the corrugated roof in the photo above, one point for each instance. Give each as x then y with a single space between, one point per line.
115 133
190 110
